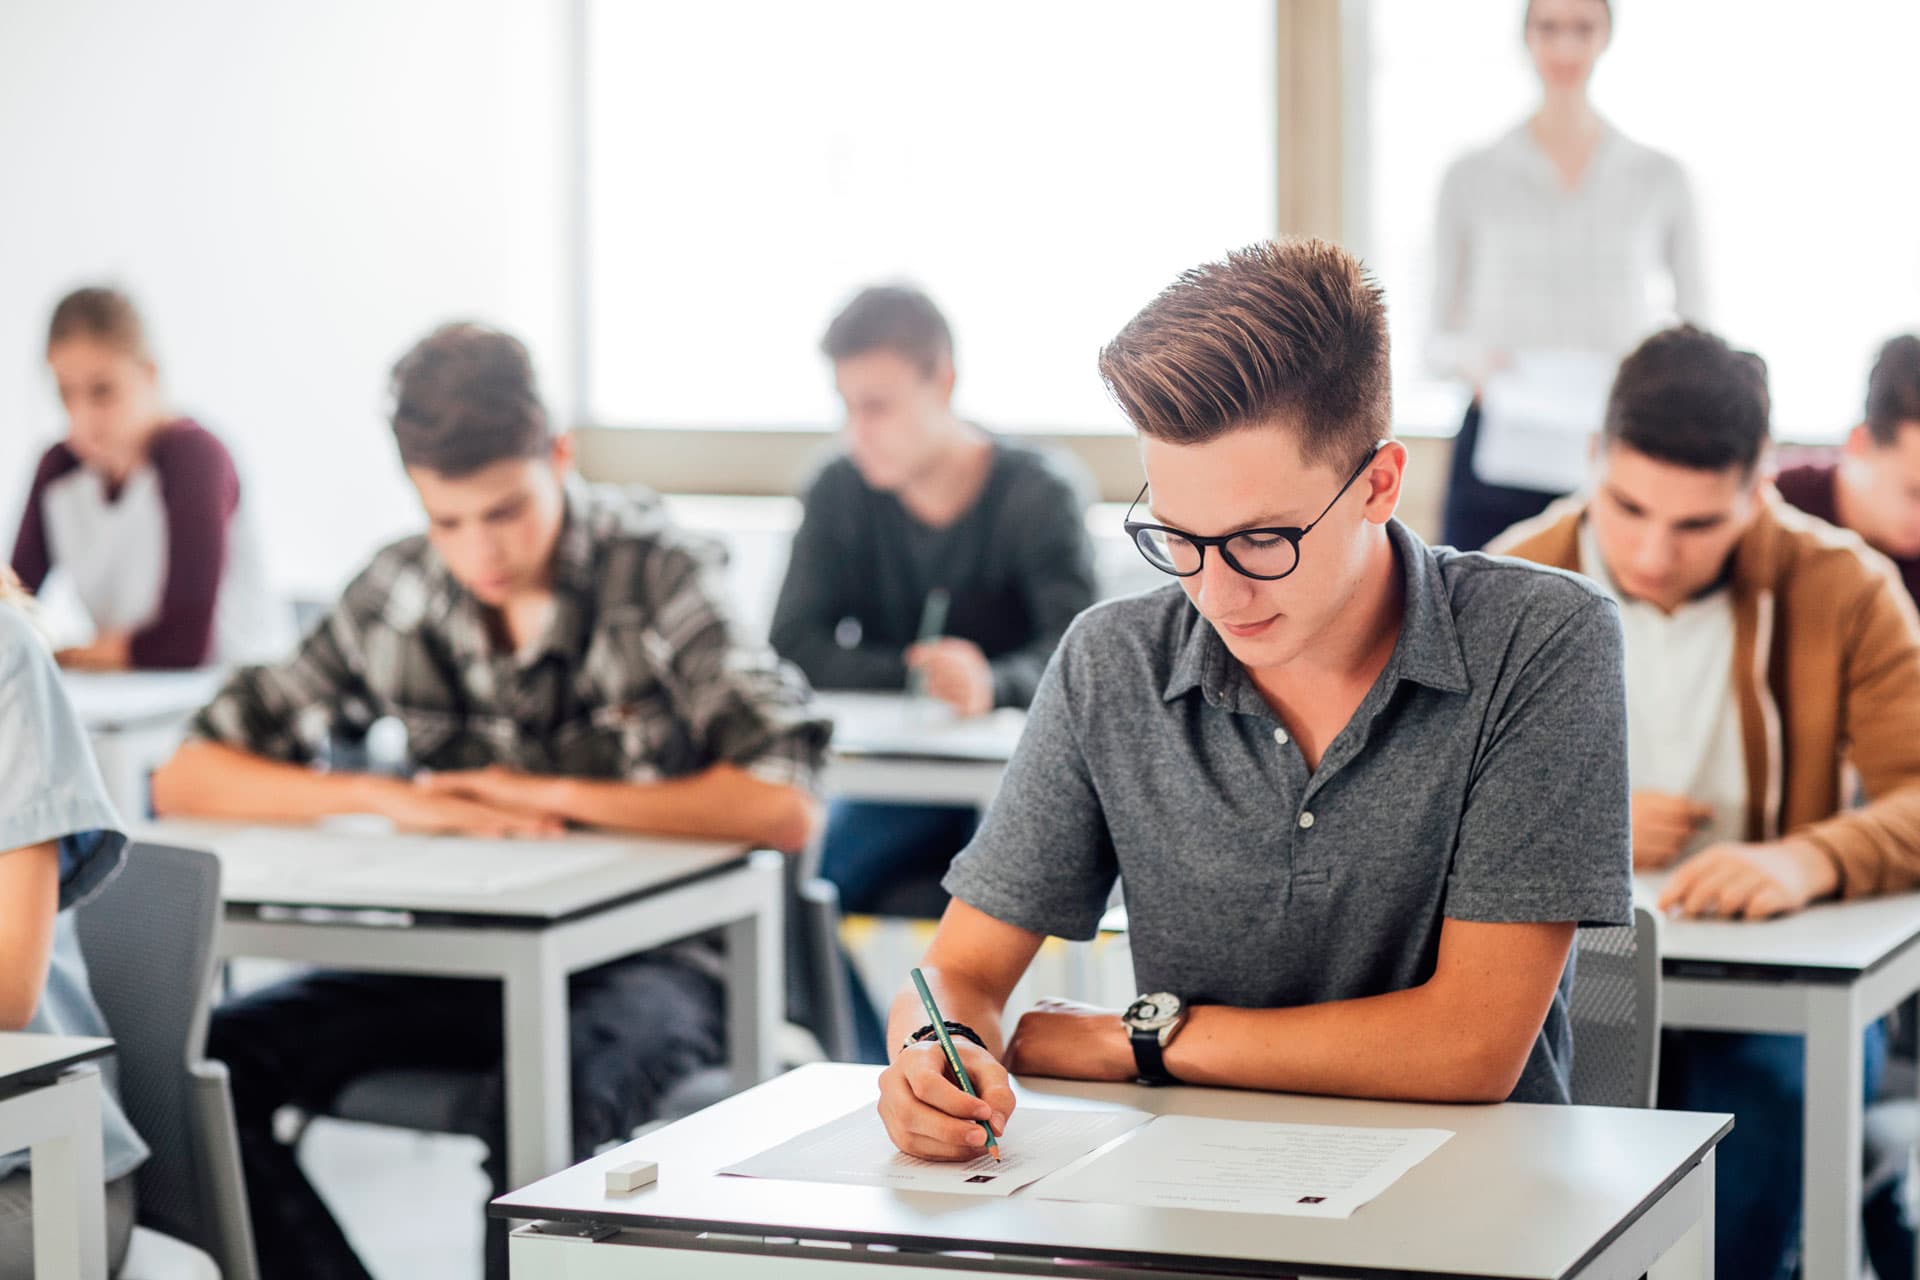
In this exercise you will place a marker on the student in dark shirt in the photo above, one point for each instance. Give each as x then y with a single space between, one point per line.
920 501
1873 486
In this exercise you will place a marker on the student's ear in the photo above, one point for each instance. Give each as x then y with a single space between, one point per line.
562 454
1859 442
1385 479
944 378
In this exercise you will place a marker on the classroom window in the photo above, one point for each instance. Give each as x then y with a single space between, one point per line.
1797 136
1041 169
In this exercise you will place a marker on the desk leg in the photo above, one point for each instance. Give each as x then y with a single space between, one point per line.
1830 1178
1691 1257
69 1186
539 1083
756 974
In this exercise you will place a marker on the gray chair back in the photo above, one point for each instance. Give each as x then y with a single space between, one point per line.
1616 1013
148 939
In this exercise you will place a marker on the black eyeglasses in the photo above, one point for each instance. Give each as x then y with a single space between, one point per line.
1266 554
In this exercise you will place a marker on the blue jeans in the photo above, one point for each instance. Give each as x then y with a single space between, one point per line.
1761 1080
888 859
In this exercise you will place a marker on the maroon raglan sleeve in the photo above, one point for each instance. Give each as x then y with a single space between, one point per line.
32 554
200 491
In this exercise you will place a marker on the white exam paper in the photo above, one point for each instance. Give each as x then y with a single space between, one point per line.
1244 1166
287 862
855 1151
1536 416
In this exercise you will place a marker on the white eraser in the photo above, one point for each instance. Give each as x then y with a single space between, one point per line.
631 1176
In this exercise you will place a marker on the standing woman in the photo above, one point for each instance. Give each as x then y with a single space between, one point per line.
59 843
1560 246
141 510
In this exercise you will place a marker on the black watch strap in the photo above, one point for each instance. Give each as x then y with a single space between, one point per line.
1149 1059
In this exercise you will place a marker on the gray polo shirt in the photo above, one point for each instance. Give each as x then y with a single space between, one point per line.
1483 778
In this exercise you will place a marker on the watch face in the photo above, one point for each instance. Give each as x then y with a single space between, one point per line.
1152 1012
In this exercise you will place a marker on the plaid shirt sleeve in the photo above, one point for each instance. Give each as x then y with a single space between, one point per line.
292 711
742 705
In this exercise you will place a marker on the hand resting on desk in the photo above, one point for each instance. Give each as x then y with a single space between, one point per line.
956 672
112 651
1663 826
1071 1041
1750 881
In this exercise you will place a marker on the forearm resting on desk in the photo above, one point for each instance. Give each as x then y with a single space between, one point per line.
208 780
1462 1036
212 780
719 803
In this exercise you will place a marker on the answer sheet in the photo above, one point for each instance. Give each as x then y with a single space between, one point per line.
855 1151
1536 416
1244 1166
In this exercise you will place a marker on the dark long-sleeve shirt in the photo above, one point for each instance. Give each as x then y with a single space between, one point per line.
1017 566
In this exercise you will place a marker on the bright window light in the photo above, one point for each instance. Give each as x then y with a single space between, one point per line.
1041 169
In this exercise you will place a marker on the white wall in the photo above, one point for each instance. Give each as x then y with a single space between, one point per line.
293 193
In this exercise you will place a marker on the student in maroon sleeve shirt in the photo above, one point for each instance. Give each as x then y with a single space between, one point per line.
141 510
1873 486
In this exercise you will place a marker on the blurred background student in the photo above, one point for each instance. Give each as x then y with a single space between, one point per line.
59 843
1872 485
139 510
1552 245
923 503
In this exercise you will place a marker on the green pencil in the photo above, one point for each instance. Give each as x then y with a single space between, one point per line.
953 1054
933 621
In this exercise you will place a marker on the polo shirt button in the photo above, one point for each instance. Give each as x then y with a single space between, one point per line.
1306 822
1280 736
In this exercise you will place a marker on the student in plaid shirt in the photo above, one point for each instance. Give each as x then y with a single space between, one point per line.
558 658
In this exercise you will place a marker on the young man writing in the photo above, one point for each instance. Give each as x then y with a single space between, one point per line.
1873 487
1360 791
923 502
557 659
1765 650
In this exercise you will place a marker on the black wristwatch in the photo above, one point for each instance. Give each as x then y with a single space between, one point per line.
1152 1022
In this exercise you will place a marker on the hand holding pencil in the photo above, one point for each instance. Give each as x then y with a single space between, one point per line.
928 1112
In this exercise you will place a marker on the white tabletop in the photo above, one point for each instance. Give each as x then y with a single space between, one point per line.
355 864
124 699
1519 1191
892 724
1844 937
28 1055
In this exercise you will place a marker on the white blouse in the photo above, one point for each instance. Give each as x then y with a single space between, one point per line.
1522 263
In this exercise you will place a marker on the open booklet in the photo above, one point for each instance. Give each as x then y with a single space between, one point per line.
1172 1162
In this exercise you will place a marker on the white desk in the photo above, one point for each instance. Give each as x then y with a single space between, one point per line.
50 1105
1825 974
890 747
1519 1191
135 719
527 913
